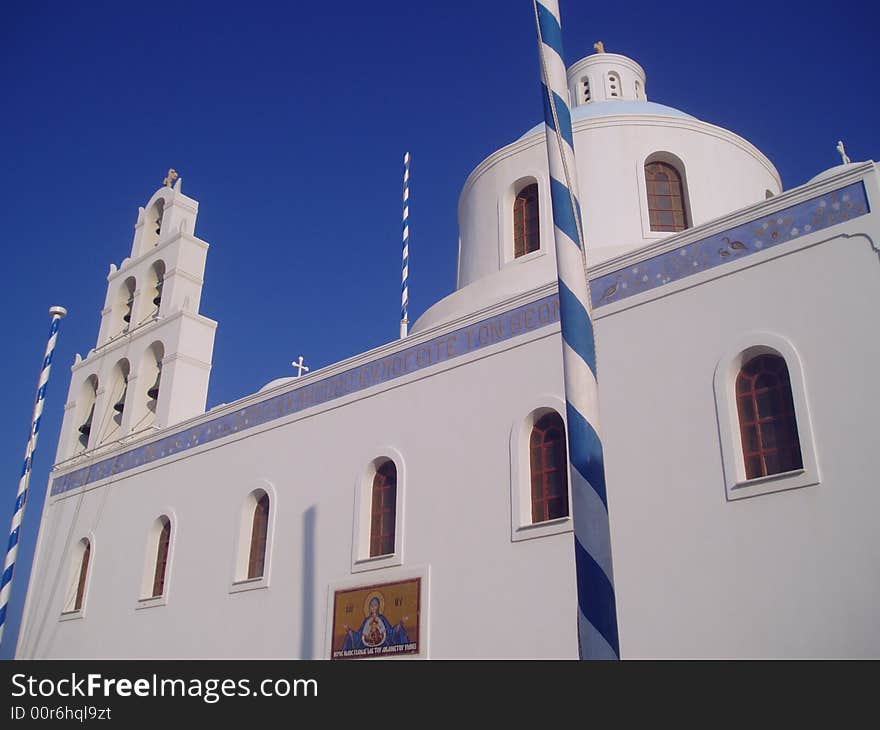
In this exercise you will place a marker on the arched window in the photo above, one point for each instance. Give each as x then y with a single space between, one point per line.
154 365
154 222
259 530
526 235
83 574
613 85
164 544
666 207
384 509
122 371
89 396
585 90
126 296
766 417
158 282
549 468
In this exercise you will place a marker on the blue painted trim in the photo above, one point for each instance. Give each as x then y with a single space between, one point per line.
562 113
563 212
808 217
444 348
577 328
551 32
586 452
596 596
744 240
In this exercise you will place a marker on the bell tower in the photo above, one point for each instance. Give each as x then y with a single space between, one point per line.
151 364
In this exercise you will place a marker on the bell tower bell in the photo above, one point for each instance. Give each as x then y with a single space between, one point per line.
151 364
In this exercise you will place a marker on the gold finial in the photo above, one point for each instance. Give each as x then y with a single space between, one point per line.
599 46
172 176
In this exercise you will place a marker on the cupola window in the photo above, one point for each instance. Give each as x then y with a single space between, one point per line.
585 90
613 85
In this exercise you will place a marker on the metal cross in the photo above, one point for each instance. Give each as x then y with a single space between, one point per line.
842 150
300 367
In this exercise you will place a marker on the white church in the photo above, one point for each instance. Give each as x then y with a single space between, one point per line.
413 501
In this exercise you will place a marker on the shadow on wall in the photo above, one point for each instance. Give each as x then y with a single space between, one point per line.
307 649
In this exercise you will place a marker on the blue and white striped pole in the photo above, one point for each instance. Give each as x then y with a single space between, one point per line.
404 288
597 611
58 313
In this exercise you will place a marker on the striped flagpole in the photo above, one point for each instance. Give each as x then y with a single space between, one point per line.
58 313
597 612
404 287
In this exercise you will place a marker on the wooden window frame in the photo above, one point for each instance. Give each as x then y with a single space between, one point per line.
85 558
671 200
383 510
548 456
768 425
259 535
736 483
162 550
526 221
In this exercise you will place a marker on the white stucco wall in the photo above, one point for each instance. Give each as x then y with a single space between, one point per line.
723 173
784 574
698 574
452 430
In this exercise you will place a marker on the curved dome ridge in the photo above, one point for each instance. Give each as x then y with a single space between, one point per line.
614 108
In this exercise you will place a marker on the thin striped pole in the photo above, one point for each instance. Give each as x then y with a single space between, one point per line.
597 612
58 313
404 287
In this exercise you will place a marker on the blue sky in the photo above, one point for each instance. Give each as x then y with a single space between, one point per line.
288 123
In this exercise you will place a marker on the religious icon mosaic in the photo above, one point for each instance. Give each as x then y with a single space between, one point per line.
378 620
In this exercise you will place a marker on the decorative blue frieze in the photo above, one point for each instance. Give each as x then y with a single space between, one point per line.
756 235
525 318
749 238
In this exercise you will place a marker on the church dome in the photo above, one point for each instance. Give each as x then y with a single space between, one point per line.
832 171
630 153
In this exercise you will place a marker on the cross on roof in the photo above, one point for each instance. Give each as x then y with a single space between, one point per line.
301 368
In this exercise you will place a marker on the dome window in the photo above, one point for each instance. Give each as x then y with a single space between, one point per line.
666 207
585 90
526 229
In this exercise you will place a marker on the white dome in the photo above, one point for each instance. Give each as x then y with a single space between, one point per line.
614 140
612 108
832 171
